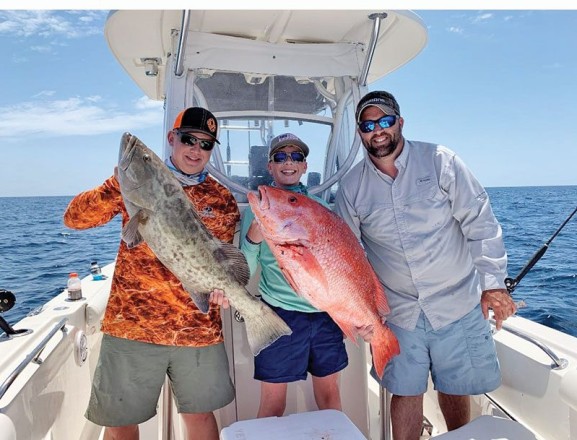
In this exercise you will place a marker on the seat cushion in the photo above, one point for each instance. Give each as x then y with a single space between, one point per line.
489 428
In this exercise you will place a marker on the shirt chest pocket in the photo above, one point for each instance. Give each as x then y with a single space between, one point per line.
378 221
417 211
426 190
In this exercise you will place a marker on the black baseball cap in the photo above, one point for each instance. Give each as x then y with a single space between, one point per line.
381 99
197 120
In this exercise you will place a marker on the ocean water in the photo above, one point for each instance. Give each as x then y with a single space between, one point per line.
530 216
37 251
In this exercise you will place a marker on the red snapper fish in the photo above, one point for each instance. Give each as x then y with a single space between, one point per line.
323 261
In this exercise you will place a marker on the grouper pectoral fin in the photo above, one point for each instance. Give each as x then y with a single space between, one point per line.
130 234
232 258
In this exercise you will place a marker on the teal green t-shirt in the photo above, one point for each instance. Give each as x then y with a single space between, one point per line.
273 286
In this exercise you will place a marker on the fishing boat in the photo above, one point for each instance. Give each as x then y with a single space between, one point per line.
263 73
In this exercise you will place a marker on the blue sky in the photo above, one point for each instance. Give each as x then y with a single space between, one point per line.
496 86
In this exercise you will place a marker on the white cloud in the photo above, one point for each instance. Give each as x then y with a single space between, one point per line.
67 24
455 29
94 98
42 49
74 117
44 93
484 16
145 103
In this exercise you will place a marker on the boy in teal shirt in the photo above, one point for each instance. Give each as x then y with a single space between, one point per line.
316 345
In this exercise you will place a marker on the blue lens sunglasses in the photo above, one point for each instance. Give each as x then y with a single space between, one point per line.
385 122
282 157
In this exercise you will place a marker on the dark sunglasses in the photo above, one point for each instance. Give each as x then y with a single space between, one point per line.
282 156
385 122
190 140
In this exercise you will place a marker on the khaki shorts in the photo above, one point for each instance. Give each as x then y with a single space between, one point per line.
129 376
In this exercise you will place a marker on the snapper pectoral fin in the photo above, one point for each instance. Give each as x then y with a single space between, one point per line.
130 234
311 276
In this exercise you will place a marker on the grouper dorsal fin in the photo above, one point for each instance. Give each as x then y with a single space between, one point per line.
130 234
234 260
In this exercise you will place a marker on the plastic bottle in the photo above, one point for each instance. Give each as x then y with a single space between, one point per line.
96 271
74 287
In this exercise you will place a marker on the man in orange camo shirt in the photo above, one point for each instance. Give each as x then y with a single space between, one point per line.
151 325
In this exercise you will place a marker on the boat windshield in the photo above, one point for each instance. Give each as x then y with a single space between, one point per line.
252 109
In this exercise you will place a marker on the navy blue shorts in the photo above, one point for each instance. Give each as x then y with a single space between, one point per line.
316 345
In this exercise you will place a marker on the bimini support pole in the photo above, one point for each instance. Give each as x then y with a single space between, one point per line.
376 17
179 64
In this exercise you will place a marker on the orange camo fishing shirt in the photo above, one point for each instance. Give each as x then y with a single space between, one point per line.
147 302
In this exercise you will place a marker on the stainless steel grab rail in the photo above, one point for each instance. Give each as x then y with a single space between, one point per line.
30 357
558 363
385 412
165 415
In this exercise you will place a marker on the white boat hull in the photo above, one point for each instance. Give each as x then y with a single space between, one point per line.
48 398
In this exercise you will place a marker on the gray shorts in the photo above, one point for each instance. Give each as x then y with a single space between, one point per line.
460 356
129 376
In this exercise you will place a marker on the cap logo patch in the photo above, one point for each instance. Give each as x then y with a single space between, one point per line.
211 124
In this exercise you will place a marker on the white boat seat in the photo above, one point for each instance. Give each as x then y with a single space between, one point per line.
312 425
489 428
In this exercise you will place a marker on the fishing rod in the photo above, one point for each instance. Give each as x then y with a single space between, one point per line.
511 283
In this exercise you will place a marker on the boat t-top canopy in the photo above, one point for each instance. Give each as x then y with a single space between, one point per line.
295 43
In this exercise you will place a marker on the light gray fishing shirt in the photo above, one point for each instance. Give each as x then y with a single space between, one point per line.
430 233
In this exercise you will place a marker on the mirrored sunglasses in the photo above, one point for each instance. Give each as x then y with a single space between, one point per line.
190 140
282 156
385 122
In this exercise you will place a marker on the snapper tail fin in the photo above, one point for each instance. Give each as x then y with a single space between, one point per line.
384 347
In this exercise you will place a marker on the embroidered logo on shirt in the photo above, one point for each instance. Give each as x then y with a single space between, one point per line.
206 212
423 181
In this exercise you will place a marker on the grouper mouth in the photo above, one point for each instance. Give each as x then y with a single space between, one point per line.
127 150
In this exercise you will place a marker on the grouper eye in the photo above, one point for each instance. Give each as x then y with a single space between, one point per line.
146 158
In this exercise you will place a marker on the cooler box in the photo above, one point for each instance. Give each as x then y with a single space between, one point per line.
313 425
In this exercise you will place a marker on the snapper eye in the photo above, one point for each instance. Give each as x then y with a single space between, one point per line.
292 199
146 158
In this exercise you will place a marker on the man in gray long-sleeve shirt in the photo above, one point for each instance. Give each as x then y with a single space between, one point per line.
429 232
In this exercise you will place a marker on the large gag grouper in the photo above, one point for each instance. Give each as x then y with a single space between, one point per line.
323 261
162 216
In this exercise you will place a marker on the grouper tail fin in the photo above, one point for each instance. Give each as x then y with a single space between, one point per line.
264 328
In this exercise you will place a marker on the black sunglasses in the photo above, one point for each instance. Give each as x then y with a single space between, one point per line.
385 122
190 140
282 157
